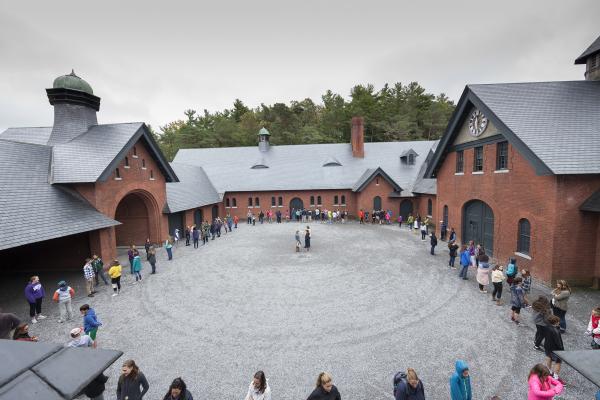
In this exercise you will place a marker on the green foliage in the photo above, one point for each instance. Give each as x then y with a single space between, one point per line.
399 112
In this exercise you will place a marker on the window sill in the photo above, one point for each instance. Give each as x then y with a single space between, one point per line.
459 173
152 179
501 171
233 207
126 167
280 206
134 156
522 255
118 179
256 206
477 173
144 168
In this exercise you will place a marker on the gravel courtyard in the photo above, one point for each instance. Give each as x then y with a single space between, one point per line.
365 302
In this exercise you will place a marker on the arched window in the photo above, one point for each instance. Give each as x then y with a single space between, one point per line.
126 162
134 151
117 173
335 200
319 200
143 163
280 201
524 239
272 201
234 202
256 202
343 200
151 175
429 207
249 201
227 202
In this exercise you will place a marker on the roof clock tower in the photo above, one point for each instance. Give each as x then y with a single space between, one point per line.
263 139
591 58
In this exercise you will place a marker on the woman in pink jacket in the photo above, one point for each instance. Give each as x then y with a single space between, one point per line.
542 386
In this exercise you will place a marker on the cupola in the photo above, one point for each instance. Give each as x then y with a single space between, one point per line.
591 58
263 139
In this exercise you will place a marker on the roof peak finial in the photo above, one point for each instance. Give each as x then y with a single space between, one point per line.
72 72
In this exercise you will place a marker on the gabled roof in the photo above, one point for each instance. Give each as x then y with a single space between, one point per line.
592 203
369 175
554 125
406 152
193 190
27 199
593 49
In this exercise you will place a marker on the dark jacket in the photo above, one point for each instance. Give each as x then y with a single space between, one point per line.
130 388
453 248
433 240
184 396
407 392
320 394
553 339
96 387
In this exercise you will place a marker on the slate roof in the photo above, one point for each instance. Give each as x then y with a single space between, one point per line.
369 175
27 200
594 48
48 371
300 167
592 203
193 190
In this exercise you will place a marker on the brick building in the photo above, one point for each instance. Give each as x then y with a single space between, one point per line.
518 170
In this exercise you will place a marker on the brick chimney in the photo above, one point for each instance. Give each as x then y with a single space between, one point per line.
357 138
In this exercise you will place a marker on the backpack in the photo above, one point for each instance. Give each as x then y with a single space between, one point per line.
511 270
400 377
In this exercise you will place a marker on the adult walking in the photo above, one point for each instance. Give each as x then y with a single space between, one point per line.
541 313
132 384
259 388
152 258
34 293
325 389
560 298
178 391
410 387
307 238
63 296
433 242
460 382
483 271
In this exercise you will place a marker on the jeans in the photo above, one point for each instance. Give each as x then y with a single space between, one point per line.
195 243
463 271
423 234
131 265
432 250
66 311
153 265
497 293
102 275
169 253
560 314
35 308
451 262
138 275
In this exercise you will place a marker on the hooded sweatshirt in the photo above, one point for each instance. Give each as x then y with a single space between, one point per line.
34 291
460 386
90 321
63 294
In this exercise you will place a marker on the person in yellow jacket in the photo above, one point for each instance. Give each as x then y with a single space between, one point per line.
115 276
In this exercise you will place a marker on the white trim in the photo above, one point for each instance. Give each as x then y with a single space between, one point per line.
525 256
459 173
477 173
501 171
257 206
134 156
118 179
233 207
152 179
126 166
281 206
144 168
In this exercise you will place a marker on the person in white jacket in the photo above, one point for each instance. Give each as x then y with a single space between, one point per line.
259 388
593 328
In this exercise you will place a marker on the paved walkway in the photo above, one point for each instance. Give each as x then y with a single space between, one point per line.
365 302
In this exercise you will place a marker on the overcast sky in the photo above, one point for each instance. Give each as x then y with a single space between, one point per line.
149 62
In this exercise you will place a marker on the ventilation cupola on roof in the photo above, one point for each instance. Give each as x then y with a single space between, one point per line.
263 139
331 162
591 58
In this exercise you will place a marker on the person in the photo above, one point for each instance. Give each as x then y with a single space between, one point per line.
205 232
178 391
176 237
152 255
410 388
88 275
147 246
79 340
90 322
517 300
187 235
464 262
34 293
325 389
443 230
593 328
307 238
560 297
98 266
298 242
8 322
452 237
115 276
22 333
95 389
553 342
259 388
63 296
433 242
511 271
131 253
472 253
196 236
236 219
137 268
132 383
497 279
400 221
453 247
169 248
541 312
460 382
423 230
542 386
483 271
527 282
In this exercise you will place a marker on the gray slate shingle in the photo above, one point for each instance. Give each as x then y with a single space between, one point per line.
193 190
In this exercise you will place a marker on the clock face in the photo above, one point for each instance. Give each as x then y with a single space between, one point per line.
477 123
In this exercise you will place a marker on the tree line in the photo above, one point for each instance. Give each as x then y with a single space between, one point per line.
393 113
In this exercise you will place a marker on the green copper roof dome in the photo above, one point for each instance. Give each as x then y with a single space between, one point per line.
264 132
72 82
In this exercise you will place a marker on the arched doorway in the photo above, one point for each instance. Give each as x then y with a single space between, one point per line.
132 212
296 204
376 203
215 212
198 217
406 208
478 224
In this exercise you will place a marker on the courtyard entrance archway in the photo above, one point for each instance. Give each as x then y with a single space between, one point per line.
138 217
478 224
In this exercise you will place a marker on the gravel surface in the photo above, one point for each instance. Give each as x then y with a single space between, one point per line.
365 302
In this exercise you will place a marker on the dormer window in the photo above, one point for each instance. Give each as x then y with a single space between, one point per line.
411 159
408 157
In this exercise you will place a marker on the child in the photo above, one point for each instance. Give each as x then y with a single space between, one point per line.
137 268
541 384
541 312
511 271
497 279
115 277
517 300
90 322
298 242
526 283
63 296
22 333
465 260
593 328
553 342
453 247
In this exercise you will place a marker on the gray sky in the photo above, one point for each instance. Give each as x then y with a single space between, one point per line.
149 62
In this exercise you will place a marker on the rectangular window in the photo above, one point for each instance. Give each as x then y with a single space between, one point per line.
312 200
280 201
460 161
117 173
319 200
143 163
502 155
343 200
335 200
126 162
478 159
272 201
249 201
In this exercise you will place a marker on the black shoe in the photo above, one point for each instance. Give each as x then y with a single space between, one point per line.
538 348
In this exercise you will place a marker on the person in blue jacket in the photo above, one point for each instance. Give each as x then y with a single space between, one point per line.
460 382
465 260
90 322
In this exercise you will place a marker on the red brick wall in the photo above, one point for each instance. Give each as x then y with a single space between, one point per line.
420 204
377 187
